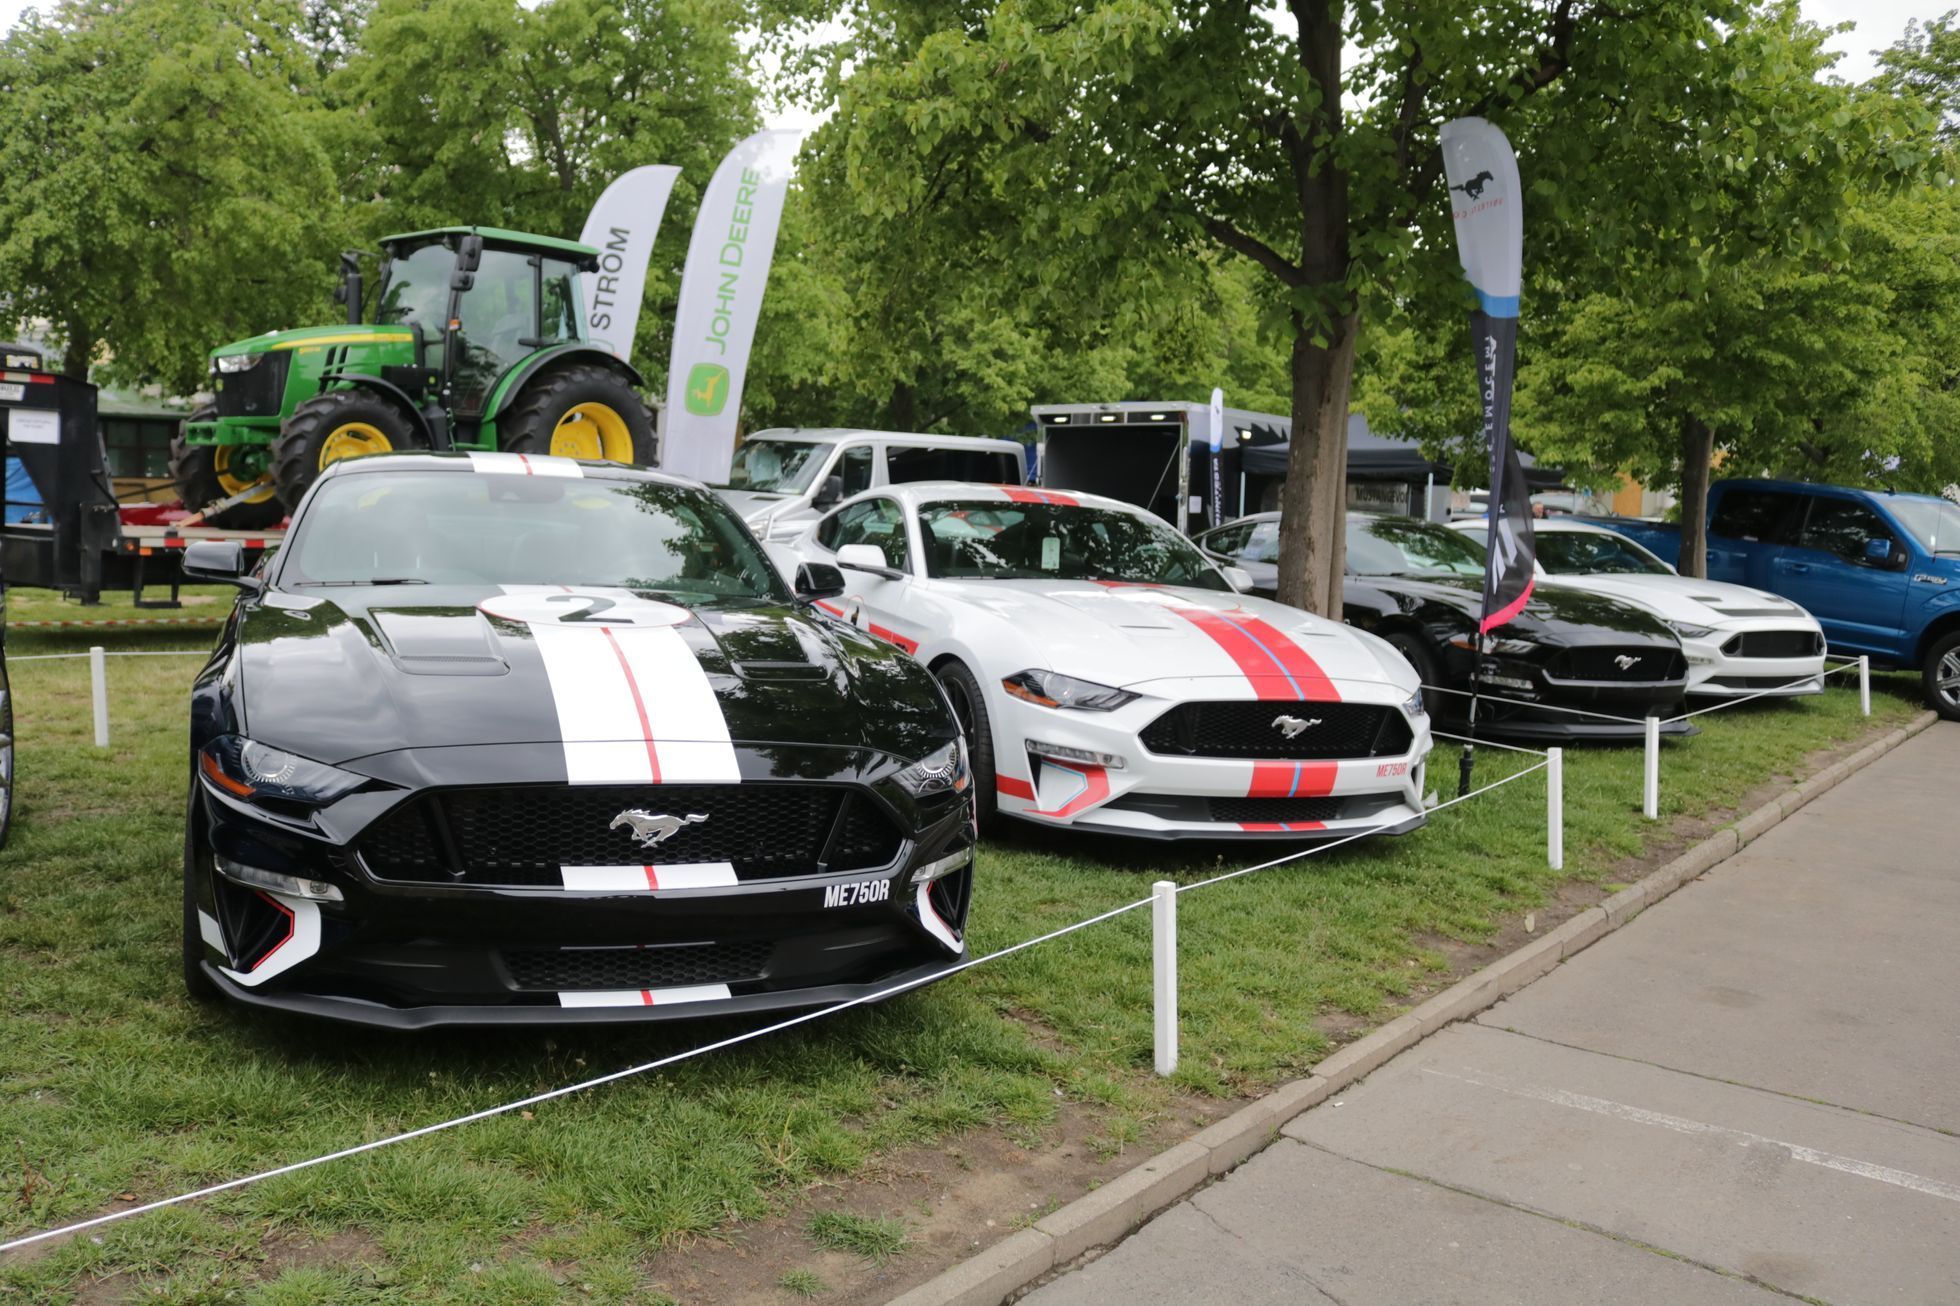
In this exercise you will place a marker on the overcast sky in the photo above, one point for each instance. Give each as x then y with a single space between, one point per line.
1879 23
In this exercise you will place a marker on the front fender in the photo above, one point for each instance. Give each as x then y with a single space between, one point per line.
514 380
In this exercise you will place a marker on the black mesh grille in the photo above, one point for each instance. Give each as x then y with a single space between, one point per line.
1774 644
1260 811
555 969
258 391
1642 662
522 836
1248 729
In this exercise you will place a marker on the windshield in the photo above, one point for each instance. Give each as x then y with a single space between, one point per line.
1933 522
1396 546
450 528
1046 541
1585 553
415 290
775 466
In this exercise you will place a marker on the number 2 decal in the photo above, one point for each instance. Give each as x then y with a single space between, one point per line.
594 605
575 608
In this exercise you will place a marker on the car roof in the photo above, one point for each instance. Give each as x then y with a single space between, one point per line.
1801 487
916 494
918 439
459 461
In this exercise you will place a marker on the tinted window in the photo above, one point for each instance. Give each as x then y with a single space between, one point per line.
1041 541
855 468
1227 541
464 529
1405 547
1766 516
1843 527
989 467
1582 553
877 522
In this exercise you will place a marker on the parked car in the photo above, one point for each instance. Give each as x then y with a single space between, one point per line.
534 741
783 479
1739 641
1419 585
1110 678
1880 571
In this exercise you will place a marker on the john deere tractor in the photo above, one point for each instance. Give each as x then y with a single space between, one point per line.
476 342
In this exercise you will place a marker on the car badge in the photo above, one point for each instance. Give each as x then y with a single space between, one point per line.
1290 726
1625 661
652 829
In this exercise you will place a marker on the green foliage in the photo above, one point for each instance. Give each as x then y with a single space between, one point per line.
1925 64
874 1239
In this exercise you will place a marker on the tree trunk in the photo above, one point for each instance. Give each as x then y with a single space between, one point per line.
1697 453
1313 502
75 357
904 406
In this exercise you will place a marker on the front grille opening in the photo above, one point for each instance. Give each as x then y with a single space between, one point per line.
553 970
1774 644
1261 811
1644 662
1254 729
520 837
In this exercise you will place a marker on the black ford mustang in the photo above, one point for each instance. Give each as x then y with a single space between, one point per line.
1412 583
525 740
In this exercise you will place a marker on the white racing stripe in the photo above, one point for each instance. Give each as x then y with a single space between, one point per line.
645 997
646 879
524 464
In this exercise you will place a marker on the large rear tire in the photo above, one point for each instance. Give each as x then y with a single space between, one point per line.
332 426
580 410
970 708
206 473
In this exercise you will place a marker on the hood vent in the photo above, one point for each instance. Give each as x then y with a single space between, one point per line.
439 642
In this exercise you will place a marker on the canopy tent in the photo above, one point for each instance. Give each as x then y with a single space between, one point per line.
1376 457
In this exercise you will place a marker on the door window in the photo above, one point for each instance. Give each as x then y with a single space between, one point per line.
497 314
877 522
1763 516
1228 541
1844 528
985 466
855 467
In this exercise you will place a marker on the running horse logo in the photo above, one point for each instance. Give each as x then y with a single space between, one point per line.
1290 727
651 829
1474 188
1625 661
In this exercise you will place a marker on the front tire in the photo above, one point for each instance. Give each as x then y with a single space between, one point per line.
206 473
1941 676
1424 662
196 983
970 709
579 411
332 426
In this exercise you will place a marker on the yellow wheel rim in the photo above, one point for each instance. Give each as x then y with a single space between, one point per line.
593 430
234 474
352 440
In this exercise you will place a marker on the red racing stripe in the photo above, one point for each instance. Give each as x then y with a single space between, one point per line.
1028 494
1293 779
1263 671
1014 787
653 880
1279 827
893 637
639 705
831 608
1299 664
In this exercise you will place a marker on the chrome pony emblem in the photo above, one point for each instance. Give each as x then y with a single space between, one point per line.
651 829
1625 661
1291 726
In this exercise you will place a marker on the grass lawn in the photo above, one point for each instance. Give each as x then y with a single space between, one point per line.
201 603
114 1087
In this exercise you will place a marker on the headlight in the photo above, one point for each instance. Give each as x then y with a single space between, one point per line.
942 771
1415 707
1052 689
250 770
1686 631
230 363
1515 648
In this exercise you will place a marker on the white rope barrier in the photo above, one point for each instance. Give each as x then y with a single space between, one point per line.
1488 697
1860 665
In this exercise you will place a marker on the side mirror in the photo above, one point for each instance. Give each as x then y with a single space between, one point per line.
818 580
469 253
221 562
829 492
461 280
867 557
1880 552
1238 578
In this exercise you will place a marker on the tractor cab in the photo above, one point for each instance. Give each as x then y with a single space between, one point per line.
474 341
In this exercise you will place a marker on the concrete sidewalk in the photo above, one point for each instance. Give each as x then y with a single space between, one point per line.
1750 1093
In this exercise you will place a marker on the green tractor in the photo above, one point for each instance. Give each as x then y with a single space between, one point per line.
476 342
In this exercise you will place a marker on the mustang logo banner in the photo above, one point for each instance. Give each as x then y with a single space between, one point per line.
1479 163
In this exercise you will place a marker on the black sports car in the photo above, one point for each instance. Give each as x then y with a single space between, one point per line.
509 739
1420 587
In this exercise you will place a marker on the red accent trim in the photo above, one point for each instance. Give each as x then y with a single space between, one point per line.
1314 684
283 910
831 608
639 704
1014 787
1128 584
1095 790
1509 612
1293 779
893 637
653 879
646 998
1278 669
1279 827
1028 494
40 378
525 459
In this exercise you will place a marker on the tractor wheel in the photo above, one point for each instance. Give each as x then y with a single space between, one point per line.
331 426
206 473
580 411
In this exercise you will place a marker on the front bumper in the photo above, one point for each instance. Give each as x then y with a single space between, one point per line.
1714 672
1161 796
674 942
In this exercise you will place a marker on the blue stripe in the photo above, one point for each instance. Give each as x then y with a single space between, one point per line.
1261 644
1498 306
1294 792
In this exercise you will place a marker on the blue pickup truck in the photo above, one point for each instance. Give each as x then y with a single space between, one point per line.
1879 571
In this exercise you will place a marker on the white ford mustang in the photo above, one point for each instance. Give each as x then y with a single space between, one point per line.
1110 678
1738 640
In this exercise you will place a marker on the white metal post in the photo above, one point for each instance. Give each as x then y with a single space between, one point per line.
1555 808
1650 798
1864 684
1163 951
98 675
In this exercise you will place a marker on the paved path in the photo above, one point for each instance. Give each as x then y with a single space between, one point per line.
1750 1093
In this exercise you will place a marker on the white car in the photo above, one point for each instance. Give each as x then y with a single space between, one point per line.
1738 640
1111 678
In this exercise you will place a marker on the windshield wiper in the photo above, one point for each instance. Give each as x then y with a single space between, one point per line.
378 580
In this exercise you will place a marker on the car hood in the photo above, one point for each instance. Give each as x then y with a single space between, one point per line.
753 505
1132 635
339 674
1688 600
1555 612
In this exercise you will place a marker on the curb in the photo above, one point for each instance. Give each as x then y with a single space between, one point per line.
1108 1213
